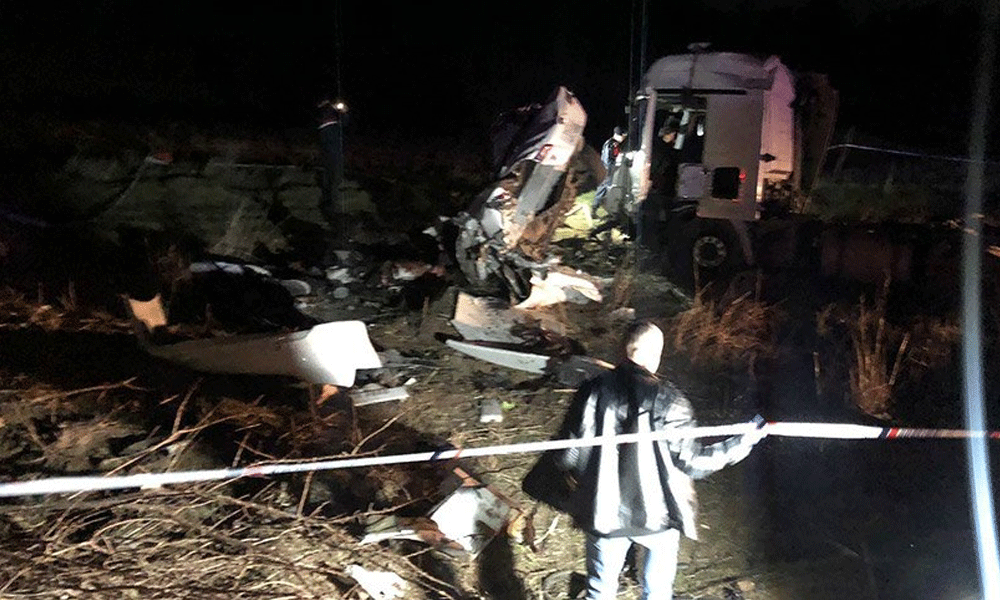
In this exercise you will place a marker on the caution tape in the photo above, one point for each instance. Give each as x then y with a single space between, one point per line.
841 431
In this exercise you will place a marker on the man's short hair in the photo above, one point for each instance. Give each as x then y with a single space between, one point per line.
638 333
671 125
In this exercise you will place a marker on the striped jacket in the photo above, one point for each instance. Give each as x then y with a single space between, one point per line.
644 487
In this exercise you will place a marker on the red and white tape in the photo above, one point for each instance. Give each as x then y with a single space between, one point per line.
840 431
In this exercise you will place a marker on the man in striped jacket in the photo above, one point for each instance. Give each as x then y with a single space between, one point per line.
638 492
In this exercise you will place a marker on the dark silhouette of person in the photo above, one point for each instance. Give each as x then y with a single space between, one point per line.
330 128
664 160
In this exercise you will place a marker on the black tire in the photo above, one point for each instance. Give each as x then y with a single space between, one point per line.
703 251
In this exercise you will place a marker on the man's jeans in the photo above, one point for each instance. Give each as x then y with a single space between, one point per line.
606 556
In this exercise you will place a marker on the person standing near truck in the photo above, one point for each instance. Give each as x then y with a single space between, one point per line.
610 152
664 160
639 492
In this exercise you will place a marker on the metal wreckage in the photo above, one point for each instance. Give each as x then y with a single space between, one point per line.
502 245
504 236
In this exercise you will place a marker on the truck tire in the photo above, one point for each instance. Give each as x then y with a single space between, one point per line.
707 251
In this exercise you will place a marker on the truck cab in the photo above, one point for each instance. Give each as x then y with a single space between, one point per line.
747 136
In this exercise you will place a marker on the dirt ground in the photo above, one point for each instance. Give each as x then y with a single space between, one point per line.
798 519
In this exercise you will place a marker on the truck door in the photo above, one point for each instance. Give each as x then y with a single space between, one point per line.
732 155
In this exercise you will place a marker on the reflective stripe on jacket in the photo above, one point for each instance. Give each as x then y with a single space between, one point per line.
644 487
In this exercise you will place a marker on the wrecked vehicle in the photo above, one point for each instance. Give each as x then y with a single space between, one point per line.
504 235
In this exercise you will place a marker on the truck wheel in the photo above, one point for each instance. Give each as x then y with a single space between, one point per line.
709 251
714 250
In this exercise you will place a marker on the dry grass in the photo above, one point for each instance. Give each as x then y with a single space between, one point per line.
17 311
878 351
933 342
881 353
195 543
732 334
277 540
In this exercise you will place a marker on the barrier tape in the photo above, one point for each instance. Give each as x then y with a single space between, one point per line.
839 431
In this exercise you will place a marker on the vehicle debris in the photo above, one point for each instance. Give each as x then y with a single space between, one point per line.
297 287
380 528
468 518
339 274
490 319
329 353
490 411
474 513
504 235
374 393
380 585
505 357
562 285
242 297
395 272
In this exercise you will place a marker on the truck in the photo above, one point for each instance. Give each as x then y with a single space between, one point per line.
752 181
750 139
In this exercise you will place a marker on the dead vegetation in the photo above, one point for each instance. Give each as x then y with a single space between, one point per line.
883 353
18 311
194 543
731 334
286 537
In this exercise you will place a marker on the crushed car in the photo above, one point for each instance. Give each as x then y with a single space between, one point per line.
504 235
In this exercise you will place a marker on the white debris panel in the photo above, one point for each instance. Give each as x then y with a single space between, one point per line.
329 353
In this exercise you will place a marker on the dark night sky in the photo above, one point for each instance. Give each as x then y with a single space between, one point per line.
904 68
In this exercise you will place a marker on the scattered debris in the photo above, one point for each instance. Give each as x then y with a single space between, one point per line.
490 411
243 298
380 585
419 529
489 319
484 318
329 353
297 287
562 285
465 521
576 369
395 272
624 314
376 394
339 274
473 514
505 357
504 235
